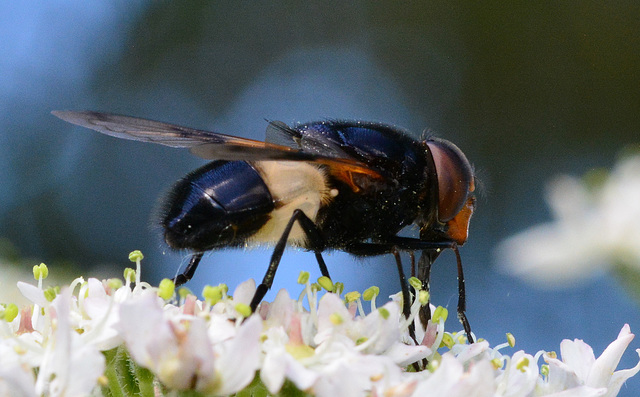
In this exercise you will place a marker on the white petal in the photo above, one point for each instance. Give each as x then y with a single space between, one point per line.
578 356
607 363
33 293
244 292
619 377
238 358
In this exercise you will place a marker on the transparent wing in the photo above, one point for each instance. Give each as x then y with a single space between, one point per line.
211 145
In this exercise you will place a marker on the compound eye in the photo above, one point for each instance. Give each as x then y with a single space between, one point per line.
455 178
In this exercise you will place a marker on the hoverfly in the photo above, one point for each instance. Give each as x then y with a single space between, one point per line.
328 185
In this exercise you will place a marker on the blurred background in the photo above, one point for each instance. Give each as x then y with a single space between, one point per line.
527 90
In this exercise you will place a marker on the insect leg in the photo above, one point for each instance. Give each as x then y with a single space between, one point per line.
189 271
462 301
430 250
406 297
315 240
424 275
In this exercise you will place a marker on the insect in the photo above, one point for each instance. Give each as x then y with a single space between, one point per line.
328 185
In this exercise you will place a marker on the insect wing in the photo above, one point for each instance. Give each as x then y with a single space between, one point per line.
144 130
209 145
281 134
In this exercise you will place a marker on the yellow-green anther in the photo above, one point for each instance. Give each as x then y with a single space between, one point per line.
336 319
212 294
447 340
135 256
315 287
50 294
183 292
243 309
415 283
10 312
497 363
370 293
361 340
434 362
325 282
423 297
544 370
40 271
129 274
114 283
511 340
224 288
300 351
338 287
352 296
522 364
552 354
303 277
440 313
166 289
384 313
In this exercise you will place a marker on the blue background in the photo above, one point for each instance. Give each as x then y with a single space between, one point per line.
526 90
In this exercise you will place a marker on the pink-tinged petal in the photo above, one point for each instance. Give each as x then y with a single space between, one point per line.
607 363
280 310
430 333
295 330
25 321
244 292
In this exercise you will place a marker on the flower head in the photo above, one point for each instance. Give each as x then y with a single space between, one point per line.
323 345
596 225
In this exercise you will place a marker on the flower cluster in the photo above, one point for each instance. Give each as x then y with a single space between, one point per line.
597 224
110 337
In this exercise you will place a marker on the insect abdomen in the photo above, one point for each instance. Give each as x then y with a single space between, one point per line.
220 204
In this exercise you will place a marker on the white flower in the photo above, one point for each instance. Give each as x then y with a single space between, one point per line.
330 349
450 379
16 378
594 228
69 366
178 347
580 369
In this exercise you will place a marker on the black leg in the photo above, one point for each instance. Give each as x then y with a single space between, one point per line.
189 271
424 275
462 300
315 241
406 296
430 251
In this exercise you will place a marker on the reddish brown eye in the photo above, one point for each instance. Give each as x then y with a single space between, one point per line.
455 178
